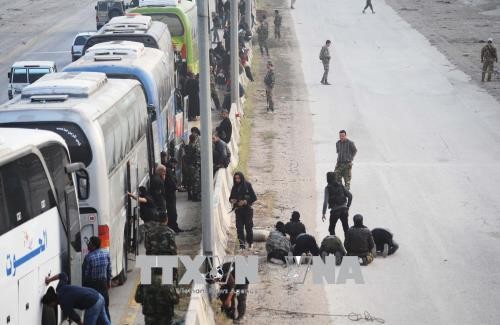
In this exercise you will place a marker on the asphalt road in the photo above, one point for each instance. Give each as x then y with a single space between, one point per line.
51 42
427 165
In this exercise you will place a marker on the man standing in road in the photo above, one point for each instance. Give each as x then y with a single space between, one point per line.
338 199
263 33
359 241
277 24
242 197
269 81
324 56
158 188
97 270
368 5
488 56
346 150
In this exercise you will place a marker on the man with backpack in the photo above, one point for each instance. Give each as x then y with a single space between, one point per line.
338 199
324 56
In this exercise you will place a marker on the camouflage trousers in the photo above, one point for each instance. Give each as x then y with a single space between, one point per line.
193 182
326 67
157 320
343 170
263 45
277 32
269 97
487 69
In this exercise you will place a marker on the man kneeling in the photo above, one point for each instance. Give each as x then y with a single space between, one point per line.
384 243
359 241
277 244
332 245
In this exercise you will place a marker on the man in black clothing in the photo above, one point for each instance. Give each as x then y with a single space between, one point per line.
305 244
338 199
242 197
383 241
294 227
225 128
171 202
359 241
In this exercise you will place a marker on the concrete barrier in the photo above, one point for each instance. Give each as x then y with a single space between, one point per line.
200 310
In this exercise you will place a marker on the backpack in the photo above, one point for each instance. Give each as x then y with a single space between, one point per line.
220 79
336 196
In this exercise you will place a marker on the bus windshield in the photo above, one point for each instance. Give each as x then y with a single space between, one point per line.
173 22
73 135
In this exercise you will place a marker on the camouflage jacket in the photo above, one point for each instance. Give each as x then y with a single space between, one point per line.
277 241
157 299
277 20
324 54
489 53
263 32
193 156
269 79
159 239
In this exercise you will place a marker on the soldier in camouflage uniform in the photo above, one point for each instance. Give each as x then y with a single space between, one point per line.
157 300
488 56
277 24
277 244
346 150
269 81
193 161
263 33
324 56
159 237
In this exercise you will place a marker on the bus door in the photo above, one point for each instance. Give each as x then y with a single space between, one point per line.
74 236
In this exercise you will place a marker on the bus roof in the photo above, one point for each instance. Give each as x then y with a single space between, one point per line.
37 64
167 5
13 140
72 91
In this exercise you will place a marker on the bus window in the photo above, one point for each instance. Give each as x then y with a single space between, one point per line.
4 221
172 21
77 142
27 191
20 76
37 73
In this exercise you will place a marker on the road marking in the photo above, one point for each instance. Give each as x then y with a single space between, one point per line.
133 307
51 52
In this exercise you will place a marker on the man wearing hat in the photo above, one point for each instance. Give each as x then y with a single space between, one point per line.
488 56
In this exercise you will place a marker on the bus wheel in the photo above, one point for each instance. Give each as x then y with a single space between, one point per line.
122 277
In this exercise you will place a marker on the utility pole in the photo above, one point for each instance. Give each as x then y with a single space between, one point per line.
248 13
207 179
235 58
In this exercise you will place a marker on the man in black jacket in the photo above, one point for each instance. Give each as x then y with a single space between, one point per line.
338 199
305 244
242 197
158 188
383 241
359 241
225 128
221 155
294 227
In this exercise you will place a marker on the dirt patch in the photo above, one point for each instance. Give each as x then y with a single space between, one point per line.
280 168
458 29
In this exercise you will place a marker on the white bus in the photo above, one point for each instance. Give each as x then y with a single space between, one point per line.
39 222
151 67
106 126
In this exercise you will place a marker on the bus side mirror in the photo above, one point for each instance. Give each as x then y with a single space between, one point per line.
152 112
74 167
8 75
82 184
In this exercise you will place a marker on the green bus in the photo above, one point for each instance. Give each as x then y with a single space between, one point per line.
181 18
